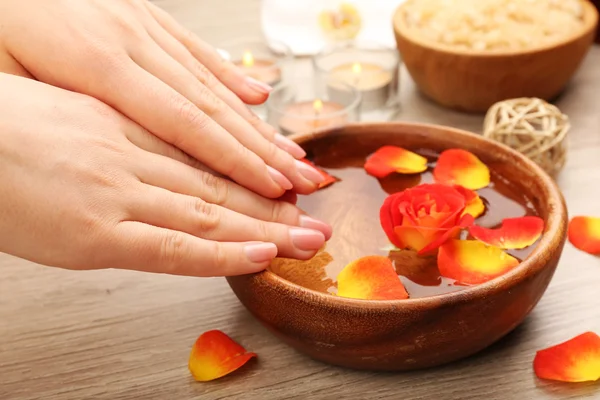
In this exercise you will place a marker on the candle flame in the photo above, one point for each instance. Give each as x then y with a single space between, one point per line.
318 105
248 59
356 68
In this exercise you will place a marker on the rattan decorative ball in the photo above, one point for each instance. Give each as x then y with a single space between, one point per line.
533 127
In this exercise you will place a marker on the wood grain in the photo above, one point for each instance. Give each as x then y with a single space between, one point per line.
125 335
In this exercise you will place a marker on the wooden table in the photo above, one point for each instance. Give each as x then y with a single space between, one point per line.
126 335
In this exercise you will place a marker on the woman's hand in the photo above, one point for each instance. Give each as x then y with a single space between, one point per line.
134 57
83 187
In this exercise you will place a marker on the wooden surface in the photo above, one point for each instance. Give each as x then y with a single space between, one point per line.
125 335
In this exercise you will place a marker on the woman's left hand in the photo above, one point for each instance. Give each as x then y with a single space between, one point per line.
133 56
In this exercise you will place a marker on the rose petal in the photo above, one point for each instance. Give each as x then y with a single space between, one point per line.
471 261
215 355
371 278
466 221
329 179
473 203
460 167
514 233
386 216
576 360
389 159
584 233
410 237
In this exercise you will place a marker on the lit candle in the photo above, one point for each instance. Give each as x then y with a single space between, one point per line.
371 80
262 70
308 116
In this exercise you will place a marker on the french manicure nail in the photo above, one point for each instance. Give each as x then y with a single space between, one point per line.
306 239
288 145
258 85
279 178
309 172
260 252
312 223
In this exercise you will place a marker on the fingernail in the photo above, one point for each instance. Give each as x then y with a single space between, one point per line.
312 223
306 239
258 85
309 172
279 178
288 145
260 252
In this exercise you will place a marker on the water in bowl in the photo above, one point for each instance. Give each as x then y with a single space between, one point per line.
352 206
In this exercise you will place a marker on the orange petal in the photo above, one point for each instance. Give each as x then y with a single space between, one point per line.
465 221
389 159
409 237
329 179
514 233
576 360
473 203
215 355
371 278
460 167
584 233
471 261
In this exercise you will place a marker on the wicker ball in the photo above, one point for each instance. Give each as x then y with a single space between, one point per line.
531 126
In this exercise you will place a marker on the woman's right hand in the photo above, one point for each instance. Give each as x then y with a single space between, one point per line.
83 187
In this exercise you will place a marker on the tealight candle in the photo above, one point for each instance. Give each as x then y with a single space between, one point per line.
263 70
308 116
372 80
371 69
297 108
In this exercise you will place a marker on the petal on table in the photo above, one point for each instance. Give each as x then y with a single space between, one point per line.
215 355
371 278
329 179
460 167
576 360
390 159
473 203
584 233
471 261
514 233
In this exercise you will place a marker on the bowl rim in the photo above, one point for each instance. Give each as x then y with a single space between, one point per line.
550 242
590 23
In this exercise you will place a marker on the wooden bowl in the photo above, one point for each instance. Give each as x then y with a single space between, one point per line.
421 332
473 81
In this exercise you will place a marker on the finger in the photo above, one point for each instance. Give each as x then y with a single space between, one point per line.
159 207
144 140
180 123
160 64
179 178
9 65
182 55
144 247
248 89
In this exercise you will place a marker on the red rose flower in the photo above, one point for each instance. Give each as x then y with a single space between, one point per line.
423 217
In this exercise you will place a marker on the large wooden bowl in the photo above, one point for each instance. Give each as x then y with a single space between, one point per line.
473 81
420 332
